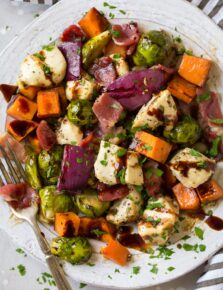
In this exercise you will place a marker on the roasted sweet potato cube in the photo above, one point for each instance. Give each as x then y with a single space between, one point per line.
48 104
67 224
116 252
210 191
29 91
8 91
19 129
194 69
93 23
63 98
186 197
182 89
152 146
22 109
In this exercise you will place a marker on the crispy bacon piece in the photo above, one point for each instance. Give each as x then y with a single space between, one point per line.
110 193
126 34
71 33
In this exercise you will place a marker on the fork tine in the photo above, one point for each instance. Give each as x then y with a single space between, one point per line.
11 169
5 173
1 181
17 162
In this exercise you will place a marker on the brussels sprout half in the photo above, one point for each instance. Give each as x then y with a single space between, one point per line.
32 173
49 163
73 250
186 131
89 204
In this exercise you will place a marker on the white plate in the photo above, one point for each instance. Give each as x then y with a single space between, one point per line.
199 33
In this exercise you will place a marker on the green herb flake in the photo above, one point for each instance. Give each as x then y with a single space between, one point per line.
186 237
106 4
20 251
111 15
82 285
203 97
104 162
202 247
217 121
210 212
12 269
46 288
202 164
158 172
122 11
115 106
40 56
136 270
36 15
154 269
188 247
195 153
117 270
116 55
115 33
79 160
107 144
199 233
110 277
170 269
138 188
148 147
73 143
214 149
98 232
22 269
90 264
152 205
189 52
48 47
121 152
46 70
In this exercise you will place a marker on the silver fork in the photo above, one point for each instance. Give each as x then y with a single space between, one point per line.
16 174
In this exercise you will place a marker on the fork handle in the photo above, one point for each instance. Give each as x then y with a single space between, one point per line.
52 261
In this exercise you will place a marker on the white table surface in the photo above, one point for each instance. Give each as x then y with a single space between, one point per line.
14 17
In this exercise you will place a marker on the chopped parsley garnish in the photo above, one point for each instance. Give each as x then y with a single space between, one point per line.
20 251
186 237
121 175
199 233
107 144
202 164
148 147
111 15
158 172
203 97
170 269
116 55
106 4
217 121
117 271
136 270
79 160
48 47
154 269
109 276
122 11
213 152
115 33
189 52
115 106
73 142
195 248
162 252
40 56
154 204
82 285
153 221
22 269
90 264
47 70
121 152
210 212
36 15
138 188
104 162
178 39
195 153
98 232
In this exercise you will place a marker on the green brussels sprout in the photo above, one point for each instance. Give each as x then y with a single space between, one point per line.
187 131
51 203
93 48
73 250
50 164
31 170
154 47
89 204
80 112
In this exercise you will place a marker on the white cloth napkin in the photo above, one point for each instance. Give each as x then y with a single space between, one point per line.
212 278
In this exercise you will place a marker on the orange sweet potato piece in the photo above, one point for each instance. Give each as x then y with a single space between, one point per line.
29 91
152 146
48 104
113 48
22 109
67 224
8 91
63 98
93 23
116 252
186 197
182 89
210 191
194 69
19 129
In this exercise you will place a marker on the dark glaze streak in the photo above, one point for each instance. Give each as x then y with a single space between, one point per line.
185 166
129 239
21 127
158 113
